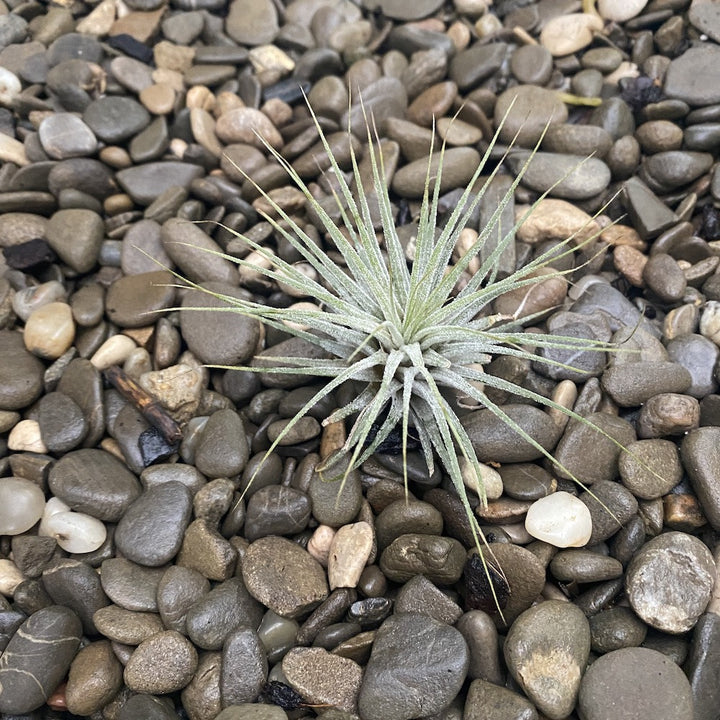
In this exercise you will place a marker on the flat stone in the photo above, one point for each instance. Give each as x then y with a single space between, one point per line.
136 300
131 586
37 658
399 656
21 373
669 581
639 678
693 76
145 183
150 532
546 651
94 679
64 135
283 576
161 664
252 23
115 118
525 111
244 667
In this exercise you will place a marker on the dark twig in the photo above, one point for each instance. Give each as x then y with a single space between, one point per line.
150 408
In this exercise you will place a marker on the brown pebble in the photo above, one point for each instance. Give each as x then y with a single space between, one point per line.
159 99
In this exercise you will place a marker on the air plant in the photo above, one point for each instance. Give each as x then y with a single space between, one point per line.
403 332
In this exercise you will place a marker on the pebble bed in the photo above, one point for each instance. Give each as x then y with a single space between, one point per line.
134 580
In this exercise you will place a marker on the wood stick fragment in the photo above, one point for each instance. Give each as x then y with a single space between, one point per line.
148 406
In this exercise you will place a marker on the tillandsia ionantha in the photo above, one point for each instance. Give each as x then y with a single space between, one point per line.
406 333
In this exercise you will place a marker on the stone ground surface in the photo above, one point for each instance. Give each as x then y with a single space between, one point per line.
134 580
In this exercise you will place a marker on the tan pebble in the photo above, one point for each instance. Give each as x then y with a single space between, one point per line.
549 292
112 446
115 157
624 70
199 96
287 198
333 438
630 263
10 577
279 112
119 203
159 99
169 56
271 58
459 33
565 394
143 336
12 150
114 351
99 21
138 362
466 239
432 24
553 219
517 533
623 235
620 10
458 132
50 330
471 8
488 25
247 125
226 101
173 78
202 124
178 147
349 552
491 486
178 388
26 437
300 306
319 543
569 33
37 116
253 260
139 25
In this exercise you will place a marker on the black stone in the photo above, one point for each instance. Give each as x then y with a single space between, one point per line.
153 446
370 612
480 579
30 254
290 90
132 47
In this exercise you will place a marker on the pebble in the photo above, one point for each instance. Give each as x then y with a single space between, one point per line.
639 678
283 576
560 519
632 384
488 701
691 76
50 330
459 164
151 530
399 656
616 628
546 651
669 581
349 552
700 459
94 482
650 468
136 300
131 586
37 658
244 667
566 34
222 449
161 664
75 235
95 677
21 505
125 626
206 551
76 532
21 373
62 424
524 111
323 678
25 437
419 595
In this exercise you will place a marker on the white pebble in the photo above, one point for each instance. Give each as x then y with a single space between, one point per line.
52 507
307 306
75 532
10 577
620 10
10 85
349 552
25 437
559 519
21 505
30 298
114 351
319 544
491 480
